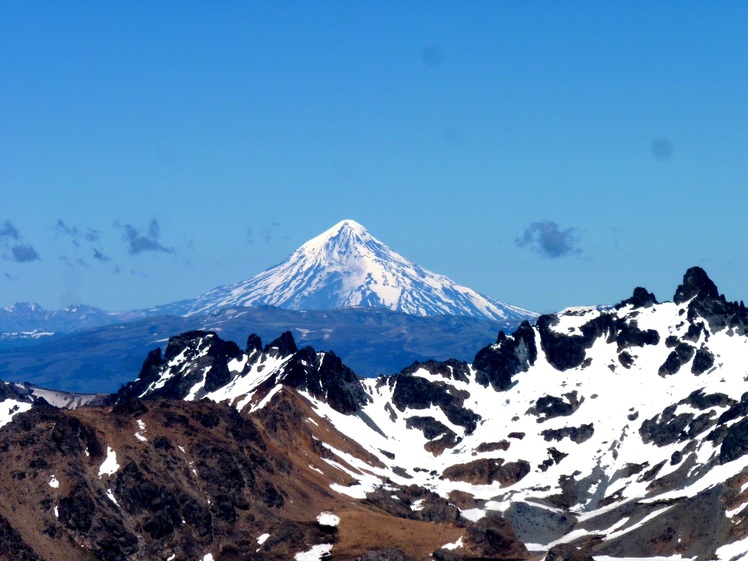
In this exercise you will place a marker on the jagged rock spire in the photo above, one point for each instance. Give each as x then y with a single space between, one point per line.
695 283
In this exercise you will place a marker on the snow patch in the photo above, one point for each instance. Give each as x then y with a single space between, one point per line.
735 551
454 545
328 519
10 408
111 496
315 554
109 466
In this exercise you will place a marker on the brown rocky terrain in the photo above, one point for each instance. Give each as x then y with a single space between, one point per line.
170 479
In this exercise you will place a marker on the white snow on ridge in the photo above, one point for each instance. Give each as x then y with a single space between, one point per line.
612 400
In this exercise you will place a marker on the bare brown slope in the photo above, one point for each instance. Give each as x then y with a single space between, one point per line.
206 479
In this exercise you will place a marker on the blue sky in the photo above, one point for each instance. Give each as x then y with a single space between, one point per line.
546 154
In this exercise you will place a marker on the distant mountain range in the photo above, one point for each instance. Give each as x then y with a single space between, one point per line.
594 434
341 268
343 289
373 341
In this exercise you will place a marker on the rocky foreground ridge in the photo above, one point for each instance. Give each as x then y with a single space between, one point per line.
602 432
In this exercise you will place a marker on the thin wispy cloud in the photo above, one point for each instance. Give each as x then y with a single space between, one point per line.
24 253
76 233
99 256
8 230
548 239
266 233
142 242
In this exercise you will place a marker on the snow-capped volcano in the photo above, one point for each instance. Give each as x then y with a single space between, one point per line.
344 267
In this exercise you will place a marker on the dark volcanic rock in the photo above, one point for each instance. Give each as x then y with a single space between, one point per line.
735 443
566 351
282 346
641 298
204 355
497 364
549 407
538 525
576 434
254 343
414 392
450 369
695 283
325 377
702 401
703 361
678 357
433 508
706 303
492 446
430 427
666 428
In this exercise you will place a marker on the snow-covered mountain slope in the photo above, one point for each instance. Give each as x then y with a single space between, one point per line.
16 398
346 266
621 430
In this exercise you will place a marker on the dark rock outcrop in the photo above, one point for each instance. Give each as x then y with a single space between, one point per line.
641 298
549 407
324 376
576 434
566 351
696 283
735 443
488 470
492 537
497 364
415 392
450 369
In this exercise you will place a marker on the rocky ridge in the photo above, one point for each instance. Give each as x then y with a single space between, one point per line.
618 431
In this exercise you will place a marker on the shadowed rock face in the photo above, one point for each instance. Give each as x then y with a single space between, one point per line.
414 392
12 546
493 538
199 357
498 364
641 298
696 283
